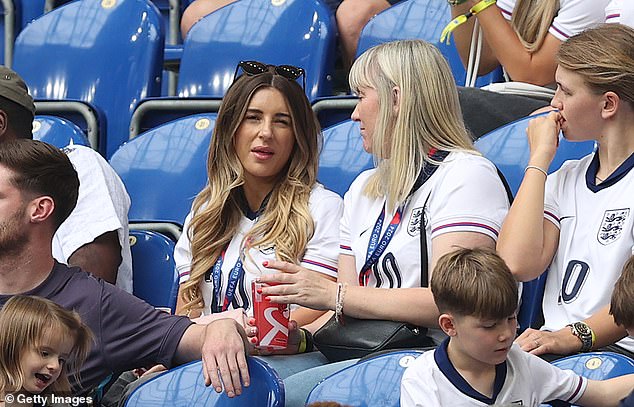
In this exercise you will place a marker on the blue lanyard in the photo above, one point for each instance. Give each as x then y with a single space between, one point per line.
234 278
376 247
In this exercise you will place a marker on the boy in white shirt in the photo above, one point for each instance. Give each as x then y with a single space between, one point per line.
478 365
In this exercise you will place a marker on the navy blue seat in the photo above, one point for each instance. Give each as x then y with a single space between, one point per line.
375 381
154 273
106 53
184 386
507 147
419 19
342 157
165 168
58 131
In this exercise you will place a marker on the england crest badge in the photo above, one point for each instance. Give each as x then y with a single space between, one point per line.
612 225
415 220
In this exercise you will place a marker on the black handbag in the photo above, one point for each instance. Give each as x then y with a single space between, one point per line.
357 338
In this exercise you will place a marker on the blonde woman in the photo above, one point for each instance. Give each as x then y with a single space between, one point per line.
524 35
262 200
578 221
427 173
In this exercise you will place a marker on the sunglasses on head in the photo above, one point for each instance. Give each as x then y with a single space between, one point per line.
252 68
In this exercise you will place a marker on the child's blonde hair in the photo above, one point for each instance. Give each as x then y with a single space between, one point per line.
24 322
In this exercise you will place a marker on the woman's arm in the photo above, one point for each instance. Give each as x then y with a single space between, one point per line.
502 46
527 241
300 287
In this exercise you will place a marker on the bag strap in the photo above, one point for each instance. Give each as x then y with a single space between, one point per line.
424 260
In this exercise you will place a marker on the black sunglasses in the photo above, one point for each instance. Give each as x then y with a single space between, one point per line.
252 68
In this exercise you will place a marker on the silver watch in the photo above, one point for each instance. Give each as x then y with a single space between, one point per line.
582 331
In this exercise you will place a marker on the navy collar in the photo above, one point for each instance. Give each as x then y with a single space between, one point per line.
446 367
243 204
593 168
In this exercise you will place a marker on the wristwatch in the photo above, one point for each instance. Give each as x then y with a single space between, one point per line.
582 331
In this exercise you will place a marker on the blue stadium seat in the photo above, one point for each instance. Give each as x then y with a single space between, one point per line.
419 19
342 157
10 26
107 53
293 32
597 365
331 110
184 386
507 147
30 10
165 168
154 272
375 381
58 131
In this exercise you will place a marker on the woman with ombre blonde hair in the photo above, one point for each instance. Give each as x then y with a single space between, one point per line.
262 200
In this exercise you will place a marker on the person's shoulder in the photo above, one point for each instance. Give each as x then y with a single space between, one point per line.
467 164
421 365
319 194
573 166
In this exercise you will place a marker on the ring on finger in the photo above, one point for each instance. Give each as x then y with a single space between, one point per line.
537 344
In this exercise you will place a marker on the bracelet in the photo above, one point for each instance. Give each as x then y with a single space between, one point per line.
461 19
310 344
302 341
543 171
341 292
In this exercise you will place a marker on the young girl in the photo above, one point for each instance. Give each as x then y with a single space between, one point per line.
40 344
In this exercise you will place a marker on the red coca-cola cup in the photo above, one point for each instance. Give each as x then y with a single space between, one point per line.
270 319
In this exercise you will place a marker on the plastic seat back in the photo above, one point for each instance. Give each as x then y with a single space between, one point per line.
108 53
597 365
58 131
292 32
342 157
154 272
164 168
371 382
419 19
184 386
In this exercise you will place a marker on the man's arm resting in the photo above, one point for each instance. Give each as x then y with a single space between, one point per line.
101 257
222 345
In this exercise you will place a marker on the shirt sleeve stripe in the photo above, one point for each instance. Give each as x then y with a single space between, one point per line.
343 247
318 264
466 224
575 394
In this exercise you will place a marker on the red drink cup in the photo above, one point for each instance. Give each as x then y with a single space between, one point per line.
271 320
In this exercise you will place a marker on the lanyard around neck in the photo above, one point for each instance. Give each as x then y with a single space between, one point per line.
234 277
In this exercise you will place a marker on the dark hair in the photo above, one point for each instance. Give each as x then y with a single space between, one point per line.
42 169
621 303
474 282
19 118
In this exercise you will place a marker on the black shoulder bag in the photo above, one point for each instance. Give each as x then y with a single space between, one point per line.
357 338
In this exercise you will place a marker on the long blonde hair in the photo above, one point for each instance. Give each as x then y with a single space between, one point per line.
286 221
24 322
531 21
429 114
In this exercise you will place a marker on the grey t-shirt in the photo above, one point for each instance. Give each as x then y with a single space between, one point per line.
129 333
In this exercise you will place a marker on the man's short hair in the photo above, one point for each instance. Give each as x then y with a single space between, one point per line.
474 282
16 102
41 169
621 306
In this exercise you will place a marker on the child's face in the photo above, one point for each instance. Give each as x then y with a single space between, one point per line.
484 341
43 364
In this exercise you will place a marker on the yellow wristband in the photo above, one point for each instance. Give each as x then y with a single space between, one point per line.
461 19
302 342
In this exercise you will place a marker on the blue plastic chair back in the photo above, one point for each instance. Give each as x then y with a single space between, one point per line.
107 53
371 382
58 132
419 19
164 168
597 365
342 157
292 32
154 275
184 386
30 10
507 147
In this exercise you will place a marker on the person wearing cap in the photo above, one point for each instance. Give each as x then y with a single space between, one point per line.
95 235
